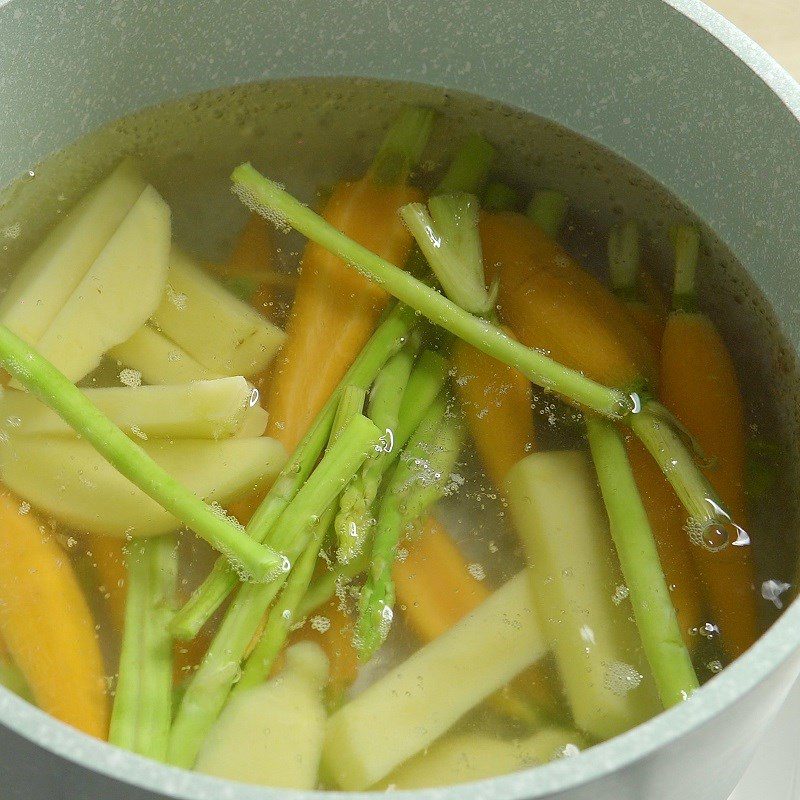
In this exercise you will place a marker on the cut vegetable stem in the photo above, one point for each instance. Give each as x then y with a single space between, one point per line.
142 711
387 340
655 616
419 479
41 378
402 146
547 209
284 613
355 511
623 258
266 195
708 518
469 168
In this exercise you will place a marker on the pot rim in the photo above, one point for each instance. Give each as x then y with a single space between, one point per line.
766 655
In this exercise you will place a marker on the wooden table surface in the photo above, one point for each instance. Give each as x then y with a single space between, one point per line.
774 24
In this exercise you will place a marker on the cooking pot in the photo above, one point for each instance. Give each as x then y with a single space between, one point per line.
673 88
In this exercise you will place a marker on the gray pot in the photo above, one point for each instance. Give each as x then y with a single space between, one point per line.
674 89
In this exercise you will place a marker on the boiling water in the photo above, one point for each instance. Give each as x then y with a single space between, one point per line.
308 135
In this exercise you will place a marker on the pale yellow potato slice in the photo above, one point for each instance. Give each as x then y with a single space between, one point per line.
52 272
272 735
213 326
474 757
198 410
68 479
410 707
116 296
559 515
159 360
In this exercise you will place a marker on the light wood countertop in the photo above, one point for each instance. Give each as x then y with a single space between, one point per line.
774 24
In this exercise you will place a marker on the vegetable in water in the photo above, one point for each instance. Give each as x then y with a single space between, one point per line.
559 516
200 410
209 689
41 378
272 734
46 623
159 360
213 326
116 296
336 309
474 757
68 478
141 716
51 273
698 384
421 696
655 617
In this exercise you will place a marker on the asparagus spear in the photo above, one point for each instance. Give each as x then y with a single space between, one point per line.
355 508
426 382
284 613
469 168
222 580
211 685
420 478
655 616
547 209
500 197
260 193
141 716
42 379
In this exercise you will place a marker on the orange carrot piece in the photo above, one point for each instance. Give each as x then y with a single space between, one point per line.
46 623
647 321
335 308
553 305
337 642
433 584
698 384
497 403
668 523
108 559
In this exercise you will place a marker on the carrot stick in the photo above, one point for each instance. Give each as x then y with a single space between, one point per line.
698 384
553 305
635 286
335 307
497 403
433 584
46 623
108 559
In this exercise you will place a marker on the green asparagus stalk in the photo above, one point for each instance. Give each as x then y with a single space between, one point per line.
547 209
655 616
500 197
326 586
424 385
141 716
352 522
42 379
402 146
420 478
469 168
623 259
389 337
211 684
284 613
264 195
